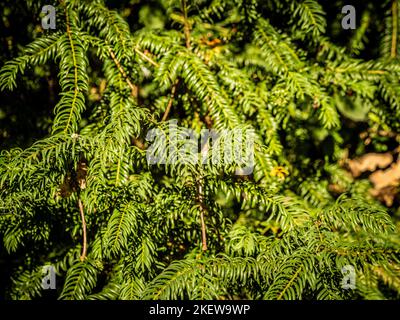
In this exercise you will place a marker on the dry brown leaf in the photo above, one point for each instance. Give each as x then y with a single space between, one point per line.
386 178
385 183
386 195
369 162
81 174
335 188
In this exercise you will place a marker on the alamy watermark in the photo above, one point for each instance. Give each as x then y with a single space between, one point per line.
349 20
49 20
176 145
49 279
349 277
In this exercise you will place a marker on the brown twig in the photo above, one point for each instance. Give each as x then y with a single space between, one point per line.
376 71
186 28
202 211
122 71
341 70
393 51
84 249
203 208
140 53
171 99
138 143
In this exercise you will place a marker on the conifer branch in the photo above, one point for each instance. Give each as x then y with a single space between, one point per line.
76 89
285 230
187 43
292 279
